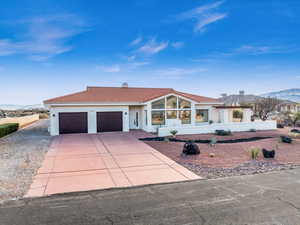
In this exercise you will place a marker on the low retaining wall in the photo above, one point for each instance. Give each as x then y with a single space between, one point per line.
22 121
205 129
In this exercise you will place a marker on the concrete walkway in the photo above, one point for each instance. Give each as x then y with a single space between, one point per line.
81 162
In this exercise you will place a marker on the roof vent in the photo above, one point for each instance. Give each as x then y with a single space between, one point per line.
125 85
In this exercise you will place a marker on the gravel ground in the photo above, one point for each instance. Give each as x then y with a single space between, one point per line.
248 168
21 154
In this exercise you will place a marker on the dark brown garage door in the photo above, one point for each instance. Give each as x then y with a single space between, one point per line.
73 122
109 121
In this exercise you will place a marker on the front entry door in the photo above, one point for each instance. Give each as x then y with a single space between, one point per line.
134 119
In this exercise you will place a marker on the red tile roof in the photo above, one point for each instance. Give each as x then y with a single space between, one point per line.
123 94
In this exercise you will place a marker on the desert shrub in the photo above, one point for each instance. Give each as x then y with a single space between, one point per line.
223 132
294 135
213 142
43 116
279 125
8 128
190 148
252 130
295 131
286 139
254 153
173 132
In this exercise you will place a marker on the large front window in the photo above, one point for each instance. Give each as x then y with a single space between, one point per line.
171 107
171 114
185 116
159 104
201 115
172 102
158 117
183 104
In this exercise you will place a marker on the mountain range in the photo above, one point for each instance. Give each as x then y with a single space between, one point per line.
20 107
288 94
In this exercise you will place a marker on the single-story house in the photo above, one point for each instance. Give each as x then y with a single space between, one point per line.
107 109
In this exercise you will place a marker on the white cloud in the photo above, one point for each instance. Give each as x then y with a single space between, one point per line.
255 50
176 72
202 23
204 15
134 65
177 45
136 41
45 37
153 47
110 69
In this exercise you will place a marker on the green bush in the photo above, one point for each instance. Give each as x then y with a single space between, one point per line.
223 132
8 128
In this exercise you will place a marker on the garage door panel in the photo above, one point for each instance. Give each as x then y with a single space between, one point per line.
73 122
109 121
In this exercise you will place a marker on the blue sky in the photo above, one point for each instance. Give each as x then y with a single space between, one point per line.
53 47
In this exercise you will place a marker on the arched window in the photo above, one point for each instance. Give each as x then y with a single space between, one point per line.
171 107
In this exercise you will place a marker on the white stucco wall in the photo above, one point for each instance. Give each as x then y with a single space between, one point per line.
204 129
92 116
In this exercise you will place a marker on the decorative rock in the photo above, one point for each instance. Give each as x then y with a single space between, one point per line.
269 154
212 155
190 148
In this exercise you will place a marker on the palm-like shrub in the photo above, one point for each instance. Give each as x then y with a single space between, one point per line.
254 152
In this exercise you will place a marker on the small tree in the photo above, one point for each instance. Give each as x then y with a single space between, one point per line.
265 106
295 117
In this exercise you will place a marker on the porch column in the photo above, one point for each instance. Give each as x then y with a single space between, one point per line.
193 114
149 118
247 115
224 116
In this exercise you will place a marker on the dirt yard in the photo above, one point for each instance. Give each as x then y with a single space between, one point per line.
233 159
21 154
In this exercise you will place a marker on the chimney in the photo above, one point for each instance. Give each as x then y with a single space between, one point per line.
224 95
125 85
242 93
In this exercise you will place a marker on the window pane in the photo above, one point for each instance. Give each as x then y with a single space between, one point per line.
183 104
171 114
158 117
237 115
185 116
201 115
172 102
159 104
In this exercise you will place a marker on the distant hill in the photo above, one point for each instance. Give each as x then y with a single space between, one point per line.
288 94
20 107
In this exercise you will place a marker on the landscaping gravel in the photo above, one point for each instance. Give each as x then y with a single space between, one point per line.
233 159
21 154
248 168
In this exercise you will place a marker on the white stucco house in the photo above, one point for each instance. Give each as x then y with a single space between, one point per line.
107 109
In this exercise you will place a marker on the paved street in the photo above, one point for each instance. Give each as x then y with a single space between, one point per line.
264 199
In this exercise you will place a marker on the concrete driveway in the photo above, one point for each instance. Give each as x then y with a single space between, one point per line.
81 162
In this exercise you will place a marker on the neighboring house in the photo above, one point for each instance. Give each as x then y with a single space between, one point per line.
242 99
288 106
105 109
